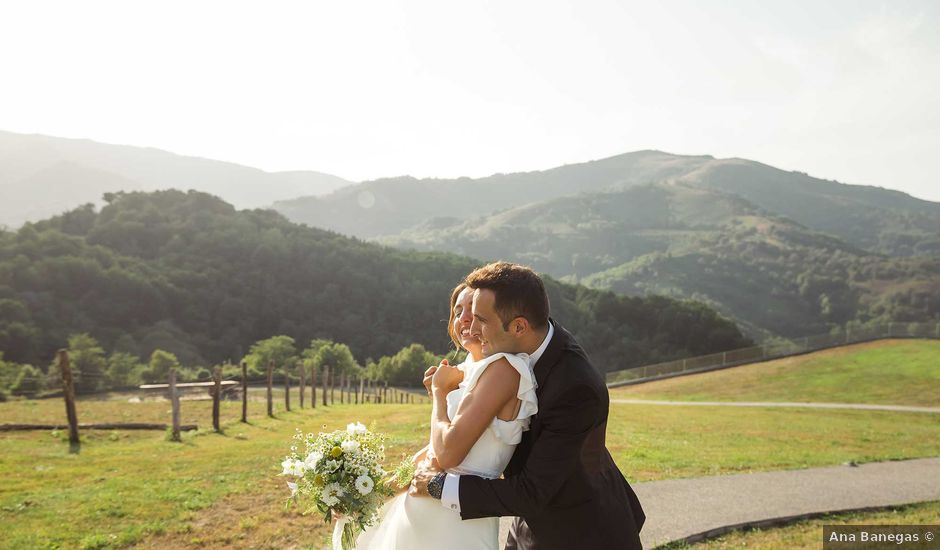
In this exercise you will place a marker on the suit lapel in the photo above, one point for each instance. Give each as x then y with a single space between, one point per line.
543 367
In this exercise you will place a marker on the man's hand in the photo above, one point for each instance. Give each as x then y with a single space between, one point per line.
446 377
423 474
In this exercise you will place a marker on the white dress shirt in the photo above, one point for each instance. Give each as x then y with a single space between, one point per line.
450 495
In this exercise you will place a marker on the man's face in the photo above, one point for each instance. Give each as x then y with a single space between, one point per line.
487 326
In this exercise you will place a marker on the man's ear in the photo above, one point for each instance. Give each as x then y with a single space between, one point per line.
519 326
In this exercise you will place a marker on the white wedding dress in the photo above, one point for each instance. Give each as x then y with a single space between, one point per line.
422 523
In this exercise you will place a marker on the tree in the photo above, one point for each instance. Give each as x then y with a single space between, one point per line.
88 363
124 369
279 349
8 372
406 368
337 357
310 354
160 364
28 381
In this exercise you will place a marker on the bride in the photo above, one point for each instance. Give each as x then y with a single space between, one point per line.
489 404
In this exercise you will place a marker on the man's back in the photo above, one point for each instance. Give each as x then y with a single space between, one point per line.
562 480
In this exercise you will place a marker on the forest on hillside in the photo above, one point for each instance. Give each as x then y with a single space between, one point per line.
187 274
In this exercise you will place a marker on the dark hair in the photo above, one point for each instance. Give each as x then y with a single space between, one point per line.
518 292
454 337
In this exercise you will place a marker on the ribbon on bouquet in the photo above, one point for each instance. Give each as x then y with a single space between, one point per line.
341 521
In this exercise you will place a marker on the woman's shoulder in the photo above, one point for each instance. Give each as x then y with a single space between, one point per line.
519 363
514 359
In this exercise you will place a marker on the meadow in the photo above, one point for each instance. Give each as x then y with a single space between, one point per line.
125 488
886 372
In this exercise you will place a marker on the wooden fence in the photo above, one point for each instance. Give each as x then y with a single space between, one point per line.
358 390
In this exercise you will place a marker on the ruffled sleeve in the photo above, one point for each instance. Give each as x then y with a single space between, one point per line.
510 431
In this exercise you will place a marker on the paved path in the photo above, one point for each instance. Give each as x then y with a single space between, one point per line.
900 408
682 508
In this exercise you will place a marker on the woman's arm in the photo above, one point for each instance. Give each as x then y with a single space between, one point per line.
452 439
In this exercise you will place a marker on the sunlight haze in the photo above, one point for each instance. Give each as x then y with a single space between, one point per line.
362 90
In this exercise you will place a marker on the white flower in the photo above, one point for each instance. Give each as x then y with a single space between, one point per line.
364 485
356 428
311 461
332 465
330 492
293 488
292 467
350 446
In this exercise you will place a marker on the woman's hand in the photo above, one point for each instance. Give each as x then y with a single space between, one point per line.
427 378
446 377
392 483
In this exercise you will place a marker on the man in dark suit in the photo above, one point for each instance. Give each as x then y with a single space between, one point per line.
561 482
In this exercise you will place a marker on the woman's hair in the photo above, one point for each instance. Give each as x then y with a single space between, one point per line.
454 337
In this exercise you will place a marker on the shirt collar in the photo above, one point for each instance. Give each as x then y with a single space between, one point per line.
533 359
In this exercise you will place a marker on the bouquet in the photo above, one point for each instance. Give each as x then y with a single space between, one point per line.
339 474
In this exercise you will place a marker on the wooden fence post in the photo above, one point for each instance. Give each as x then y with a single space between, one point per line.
286 388
324 374
359 393
68 389
216 396
313 386
245 392
385 393
342 386
270 374
332 385
175 405
300 367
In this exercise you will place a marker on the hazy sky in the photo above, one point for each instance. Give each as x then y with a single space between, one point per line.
842 90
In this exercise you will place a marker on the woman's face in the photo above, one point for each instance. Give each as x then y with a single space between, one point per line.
463 315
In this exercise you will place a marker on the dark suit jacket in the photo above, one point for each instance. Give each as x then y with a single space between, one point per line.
561 480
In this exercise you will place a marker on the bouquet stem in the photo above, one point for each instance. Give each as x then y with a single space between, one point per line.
344 535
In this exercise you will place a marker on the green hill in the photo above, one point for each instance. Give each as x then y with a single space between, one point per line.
872 218
772 275
782 253
187 273
885 372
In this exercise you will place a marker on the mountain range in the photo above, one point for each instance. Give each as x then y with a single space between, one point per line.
782 253
41 176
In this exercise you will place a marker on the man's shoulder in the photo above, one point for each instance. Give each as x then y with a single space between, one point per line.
574 366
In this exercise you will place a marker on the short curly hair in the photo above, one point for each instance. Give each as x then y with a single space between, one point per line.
518 292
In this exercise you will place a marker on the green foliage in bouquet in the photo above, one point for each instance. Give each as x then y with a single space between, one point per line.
340 475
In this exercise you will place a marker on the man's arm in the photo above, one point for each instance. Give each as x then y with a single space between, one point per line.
555 454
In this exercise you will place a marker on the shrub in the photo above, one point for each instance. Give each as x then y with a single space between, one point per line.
28 381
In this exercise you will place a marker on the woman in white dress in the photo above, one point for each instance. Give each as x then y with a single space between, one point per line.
489 405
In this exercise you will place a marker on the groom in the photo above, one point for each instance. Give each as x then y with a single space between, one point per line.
561 481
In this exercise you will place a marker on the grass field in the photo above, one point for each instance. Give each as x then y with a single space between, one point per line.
135 488
808 534
889 372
